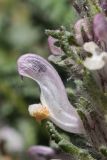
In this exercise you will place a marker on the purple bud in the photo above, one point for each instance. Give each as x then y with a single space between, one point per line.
100 28
41 152
80 26
104 5
52 47
44 153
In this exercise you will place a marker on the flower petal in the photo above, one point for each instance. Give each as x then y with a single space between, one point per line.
38 111
92 48
94 63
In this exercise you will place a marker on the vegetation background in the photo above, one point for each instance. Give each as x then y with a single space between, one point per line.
22 30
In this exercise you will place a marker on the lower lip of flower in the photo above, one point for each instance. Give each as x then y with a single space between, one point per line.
40 114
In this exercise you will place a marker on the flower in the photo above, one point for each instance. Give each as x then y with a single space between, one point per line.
13 141
97 63
54 101
98 58
43 153
100 30
52 47
83 31
104 5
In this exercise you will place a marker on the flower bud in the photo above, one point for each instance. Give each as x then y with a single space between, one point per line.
100 30
52 47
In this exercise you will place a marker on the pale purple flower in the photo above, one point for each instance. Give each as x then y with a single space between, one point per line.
41 152
52 47
104 5
12 138
80 26
54 103
47 153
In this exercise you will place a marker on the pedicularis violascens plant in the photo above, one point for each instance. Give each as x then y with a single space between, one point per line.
82 54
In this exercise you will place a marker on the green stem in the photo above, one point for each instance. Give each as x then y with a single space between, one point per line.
67 146
94 7
103 150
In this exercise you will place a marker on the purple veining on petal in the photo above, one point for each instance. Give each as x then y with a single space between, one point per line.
54 49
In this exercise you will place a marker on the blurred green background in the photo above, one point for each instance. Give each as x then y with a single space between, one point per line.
22 26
